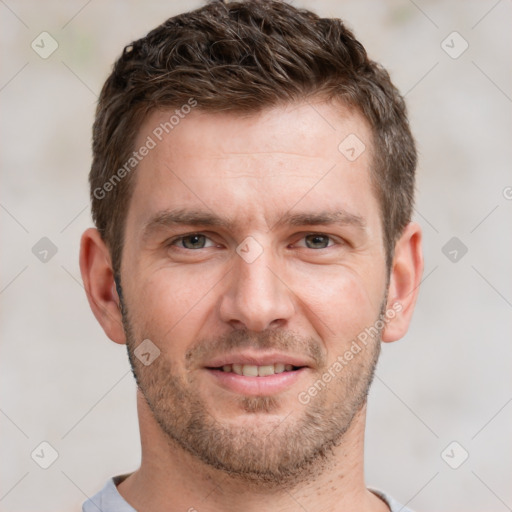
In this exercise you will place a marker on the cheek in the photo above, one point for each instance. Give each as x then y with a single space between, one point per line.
169 303
172 306
339 303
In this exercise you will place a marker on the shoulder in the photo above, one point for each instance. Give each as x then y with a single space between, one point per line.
108 499
394 506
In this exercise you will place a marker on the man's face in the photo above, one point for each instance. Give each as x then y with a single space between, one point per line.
252 243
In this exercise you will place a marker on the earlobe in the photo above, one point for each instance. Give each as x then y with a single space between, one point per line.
98 279
405 278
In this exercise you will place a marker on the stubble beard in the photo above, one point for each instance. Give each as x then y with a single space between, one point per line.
280 453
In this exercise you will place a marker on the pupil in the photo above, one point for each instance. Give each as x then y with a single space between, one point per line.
318 240
194 240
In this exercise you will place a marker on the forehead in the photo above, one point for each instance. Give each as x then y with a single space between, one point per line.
308 155
302 128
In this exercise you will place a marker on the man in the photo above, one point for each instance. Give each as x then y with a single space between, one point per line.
252 187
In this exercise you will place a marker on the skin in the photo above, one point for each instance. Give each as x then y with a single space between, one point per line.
305 298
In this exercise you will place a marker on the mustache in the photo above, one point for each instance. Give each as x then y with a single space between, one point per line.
271 339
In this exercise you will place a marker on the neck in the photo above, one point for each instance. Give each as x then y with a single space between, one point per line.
170 475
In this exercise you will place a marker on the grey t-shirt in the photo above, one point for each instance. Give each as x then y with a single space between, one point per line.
109 500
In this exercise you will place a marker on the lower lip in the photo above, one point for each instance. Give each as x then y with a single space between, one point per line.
256 386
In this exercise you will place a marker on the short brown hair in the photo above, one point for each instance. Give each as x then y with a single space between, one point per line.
244 57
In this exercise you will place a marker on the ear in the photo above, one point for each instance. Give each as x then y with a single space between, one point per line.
405 278
98 278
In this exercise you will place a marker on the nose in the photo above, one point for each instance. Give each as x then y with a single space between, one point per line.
256 297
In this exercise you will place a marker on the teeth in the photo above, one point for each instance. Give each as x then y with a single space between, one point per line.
265 370
251 370
279 368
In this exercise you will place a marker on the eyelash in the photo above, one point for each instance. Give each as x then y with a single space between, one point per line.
173 241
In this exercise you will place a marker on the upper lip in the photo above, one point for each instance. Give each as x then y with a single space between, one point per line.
252 358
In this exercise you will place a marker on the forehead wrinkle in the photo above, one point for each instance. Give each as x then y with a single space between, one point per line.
230 153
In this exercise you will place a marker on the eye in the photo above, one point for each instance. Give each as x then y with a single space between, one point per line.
317 241
193 241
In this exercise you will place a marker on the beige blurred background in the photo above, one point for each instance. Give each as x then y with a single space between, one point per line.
63 382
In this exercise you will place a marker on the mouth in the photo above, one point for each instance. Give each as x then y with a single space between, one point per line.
257 380
256 374
251 370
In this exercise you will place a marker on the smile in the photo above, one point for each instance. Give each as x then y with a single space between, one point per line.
250 370
257 380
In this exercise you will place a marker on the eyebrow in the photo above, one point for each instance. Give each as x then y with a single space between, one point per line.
191 217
